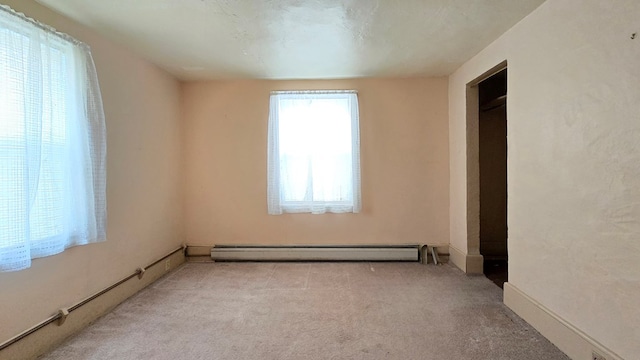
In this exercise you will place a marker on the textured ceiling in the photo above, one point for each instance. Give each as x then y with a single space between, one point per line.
301 39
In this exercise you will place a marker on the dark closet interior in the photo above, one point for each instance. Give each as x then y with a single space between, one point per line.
492 94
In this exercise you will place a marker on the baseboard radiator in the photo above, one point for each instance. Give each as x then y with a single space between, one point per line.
315 253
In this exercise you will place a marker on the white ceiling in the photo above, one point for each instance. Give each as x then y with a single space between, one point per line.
301 39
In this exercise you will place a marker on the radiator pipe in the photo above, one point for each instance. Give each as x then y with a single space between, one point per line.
62 313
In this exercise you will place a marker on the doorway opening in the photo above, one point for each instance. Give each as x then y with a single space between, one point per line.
492 158
487 193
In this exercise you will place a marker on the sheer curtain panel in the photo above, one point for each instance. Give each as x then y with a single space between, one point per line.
52 143
313 152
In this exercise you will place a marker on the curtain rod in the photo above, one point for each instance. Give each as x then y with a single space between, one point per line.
314 92
44 27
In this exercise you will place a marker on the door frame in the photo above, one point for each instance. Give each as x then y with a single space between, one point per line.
476 260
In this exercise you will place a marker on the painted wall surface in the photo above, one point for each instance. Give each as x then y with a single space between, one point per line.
573 163
404 164
144 185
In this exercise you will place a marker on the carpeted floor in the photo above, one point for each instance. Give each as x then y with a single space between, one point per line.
312 311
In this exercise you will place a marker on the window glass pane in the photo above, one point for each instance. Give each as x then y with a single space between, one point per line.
13 202
48 208
52 143
313 153
315 149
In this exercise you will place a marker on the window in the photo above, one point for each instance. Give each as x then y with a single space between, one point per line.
52 143
314 152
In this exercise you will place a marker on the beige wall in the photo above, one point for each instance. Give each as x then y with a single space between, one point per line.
144 185
404 156
573 163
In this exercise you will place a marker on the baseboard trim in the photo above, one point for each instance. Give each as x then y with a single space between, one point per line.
427 258
469 263
52 335
199 253
571 340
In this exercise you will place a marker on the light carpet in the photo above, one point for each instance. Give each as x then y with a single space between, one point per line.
312 311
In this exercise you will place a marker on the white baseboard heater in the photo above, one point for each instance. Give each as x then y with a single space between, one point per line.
315 253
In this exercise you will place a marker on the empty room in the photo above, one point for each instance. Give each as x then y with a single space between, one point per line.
301 179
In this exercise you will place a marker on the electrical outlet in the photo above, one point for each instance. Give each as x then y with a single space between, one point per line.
167 265
597 356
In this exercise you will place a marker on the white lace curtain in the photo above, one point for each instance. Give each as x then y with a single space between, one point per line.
52 143
313 152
